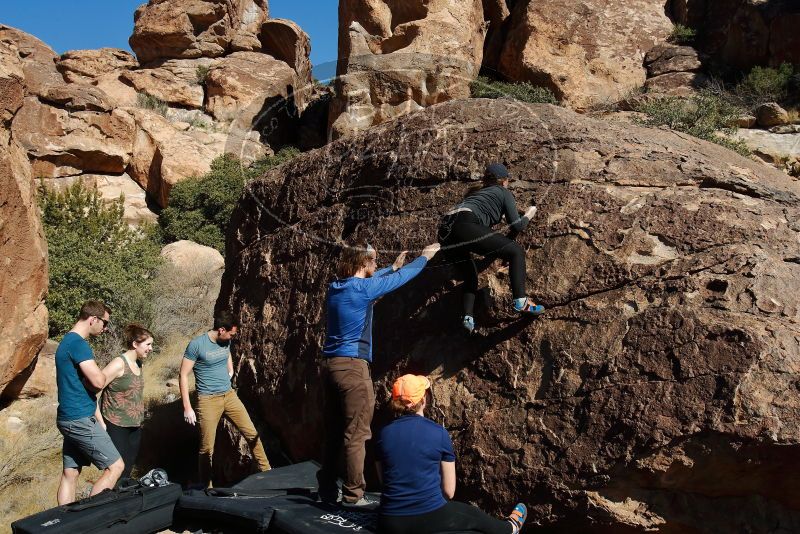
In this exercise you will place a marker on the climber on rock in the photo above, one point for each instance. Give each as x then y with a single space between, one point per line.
349 399
467 228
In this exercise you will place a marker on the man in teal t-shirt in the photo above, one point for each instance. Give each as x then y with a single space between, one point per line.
209 356
79 379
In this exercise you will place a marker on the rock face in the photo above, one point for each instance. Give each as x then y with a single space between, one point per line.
658 390
397 57
587 54
771 114
165 29
673 70
23 251
781 149
741 34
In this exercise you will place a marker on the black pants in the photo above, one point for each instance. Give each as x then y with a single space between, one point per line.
462 234
452 517
127 440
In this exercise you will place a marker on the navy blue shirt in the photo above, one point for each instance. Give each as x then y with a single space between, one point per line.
349 304
411 449
74 400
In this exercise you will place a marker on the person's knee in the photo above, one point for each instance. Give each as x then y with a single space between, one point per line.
513 251
117 467
70 474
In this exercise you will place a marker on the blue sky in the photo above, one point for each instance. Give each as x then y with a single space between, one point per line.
80 24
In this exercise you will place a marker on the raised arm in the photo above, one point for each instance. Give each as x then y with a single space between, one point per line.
378 286
516 222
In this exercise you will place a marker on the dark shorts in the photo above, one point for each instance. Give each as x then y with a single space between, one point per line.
85 442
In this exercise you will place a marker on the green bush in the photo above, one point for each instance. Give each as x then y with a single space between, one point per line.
485 87
200 209
764 84
682 35
94 254
702 115
148 101
201 73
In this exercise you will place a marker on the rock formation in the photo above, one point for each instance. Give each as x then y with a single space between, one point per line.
586 54
400 56
740 34
166 29
673 70
23 250
657 391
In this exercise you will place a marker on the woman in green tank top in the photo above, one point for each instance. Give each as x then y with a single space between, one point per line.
121 403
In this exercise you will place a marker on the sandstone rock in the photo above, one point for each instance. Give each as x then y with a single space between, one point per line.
61 143
41 379
772 147
286 41
398 57
163 84
85 66
248 88
172 383
744 121
771 114
193 28
76 97
586 55
666 58
663 372
197 273
676 83
785 129
740 34
110 188
36 59
14 424
162 155
23 254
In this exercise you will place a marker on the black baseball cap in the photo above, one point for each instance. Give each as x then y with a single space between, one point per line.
496 170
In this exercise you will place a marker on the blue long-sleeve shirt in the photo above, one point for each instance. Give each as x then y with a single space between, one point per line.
349 305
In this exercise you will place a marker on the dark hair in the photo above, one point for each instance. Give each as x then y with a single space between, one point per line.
351 260
93 308
136 333
399 407
488 180
223 319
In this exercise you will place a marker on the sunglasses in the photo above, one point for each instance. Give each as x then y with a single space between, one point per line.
105 322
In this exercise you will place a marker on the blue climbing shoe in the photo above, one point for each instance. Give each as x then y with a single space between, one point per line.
527 306
517 517
469 324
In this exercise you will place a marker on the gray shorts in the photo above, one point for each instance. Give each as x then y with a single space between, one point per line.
85 442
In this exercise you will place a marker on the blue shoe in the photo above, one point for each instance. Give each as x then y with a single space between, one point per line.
527 306
518 516
469 324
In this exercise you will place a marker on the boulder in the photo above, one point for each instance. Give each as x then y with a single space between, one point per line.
33 57
666 58
248 88
86 66
188 29
41 380
188 255
782 149
398 57
286 41
163 155
23 286
176 82
676 83
64 143
743 121
657 391
586 55
740 34
771 114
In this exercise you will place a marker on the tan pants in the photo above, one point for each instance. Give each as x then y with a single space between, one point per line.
210 409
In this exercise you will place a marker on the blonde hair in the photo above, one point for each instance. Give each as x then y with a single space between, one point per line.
353 259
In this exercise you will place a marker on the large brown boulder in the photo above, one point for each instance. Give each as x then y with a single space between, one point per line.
188 29
176 82
85 66
286 41
586 54
658 390
741 34
398 57
34 58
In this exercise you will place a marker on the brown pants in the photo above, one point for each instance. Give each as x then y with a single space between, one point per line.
210 409
349 403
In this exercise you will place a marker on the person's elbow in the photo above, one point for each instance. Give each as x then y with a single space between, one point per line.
449 492
97 381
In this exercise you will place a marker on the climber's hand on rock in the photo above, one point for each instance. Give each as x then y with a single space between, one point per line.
530 212
431 250
400 261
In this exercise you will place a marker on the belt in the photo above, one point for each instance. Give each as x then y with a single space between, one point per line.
457 210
